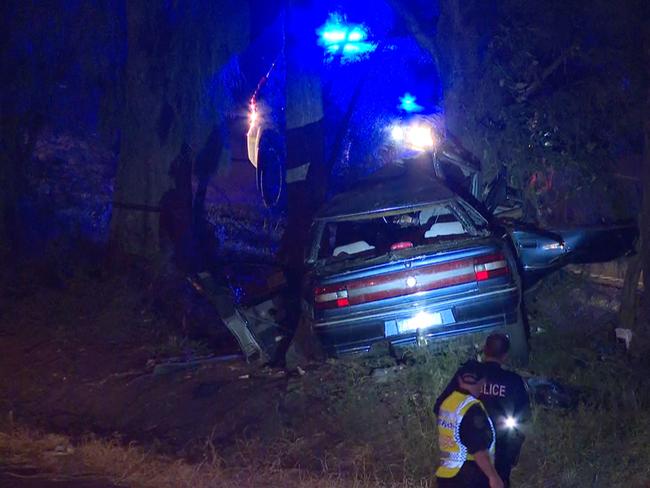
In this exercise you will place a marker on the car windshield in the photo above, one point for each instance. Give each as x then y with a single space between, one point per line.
377 235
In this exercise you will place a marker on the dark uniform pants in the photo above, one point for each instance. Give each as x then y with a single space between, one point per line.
504 469
507 456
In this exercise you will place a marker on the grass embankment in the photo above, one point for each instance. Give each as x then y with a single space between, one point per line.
369 422
604 441
378 429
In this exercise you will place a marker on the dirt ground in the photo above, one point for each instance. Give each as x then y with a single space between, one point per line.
87 358
103 357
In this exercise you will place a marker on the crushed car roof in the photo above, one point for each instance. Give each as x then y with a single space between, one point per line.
392 187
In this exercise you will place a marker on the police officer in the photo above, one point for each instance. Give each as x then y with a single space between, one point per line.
506 399
466 436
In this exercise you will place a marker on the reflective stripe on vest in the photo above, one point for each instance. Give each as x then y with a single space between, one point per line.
453 453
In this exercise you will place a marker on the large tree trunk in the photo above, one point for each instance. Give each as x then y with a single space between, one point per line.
457 38
146 146
304 130
305 161
644 223
175 97
629 316
309 163
627 313
455 46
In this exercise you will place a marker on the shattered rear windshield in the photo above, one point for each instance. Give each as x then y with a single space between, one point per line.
372 236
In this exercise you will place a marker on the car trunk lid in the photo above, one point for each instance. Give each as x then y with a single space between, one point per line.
411 276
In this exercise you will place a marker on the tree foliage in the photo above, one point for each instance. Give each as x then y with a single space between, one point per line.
557 92
549 90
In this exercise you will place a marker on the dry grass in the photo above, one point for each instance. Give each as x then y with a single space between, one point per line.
134 466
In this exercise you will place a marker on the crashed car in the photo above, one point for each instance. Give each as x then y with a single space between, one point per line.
403 259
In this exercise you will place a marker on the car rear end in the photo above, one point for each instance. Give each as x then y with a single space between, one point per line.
444 277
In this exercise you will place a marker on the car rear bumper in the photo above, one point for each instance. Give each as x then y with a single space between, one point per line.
461 315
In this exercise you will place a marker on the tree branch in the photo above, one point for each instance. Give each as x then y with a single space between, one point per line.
423 37
530 89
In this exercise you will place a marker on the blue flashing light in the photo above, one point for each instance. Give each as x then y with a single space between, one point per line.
334 48
338 37
356 35
351 48
408 103
333 36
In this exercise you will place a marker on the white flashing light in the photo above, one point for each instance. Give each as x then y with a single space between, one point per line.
511 422
419 137
397 133
253 116
416 137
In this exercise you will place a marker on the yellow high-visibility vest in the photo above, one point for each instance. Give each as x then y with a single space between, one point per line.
453 453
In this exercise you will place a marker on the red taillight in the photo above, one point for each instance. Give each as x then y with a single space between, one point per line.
401 245
481 274
332 296
490 266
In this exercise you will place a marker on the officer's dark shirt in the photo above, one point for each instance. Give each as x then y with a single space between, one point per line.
476 435
505 394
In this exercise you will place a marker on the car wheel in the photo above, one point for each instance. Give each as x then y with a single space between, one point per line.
519 348
271 169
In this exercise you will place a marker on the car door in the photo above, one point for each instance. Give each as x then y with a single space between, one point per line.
539 252
542 251
599 243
